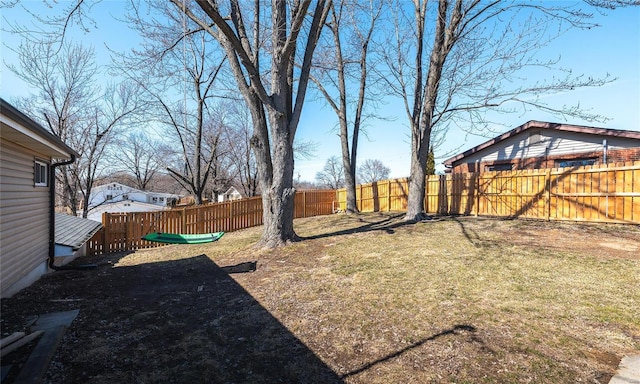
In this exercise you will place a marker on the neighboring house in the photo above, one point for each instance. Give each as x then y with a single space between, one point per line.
116 192
72 234
27 156
230 195
122 206
537 144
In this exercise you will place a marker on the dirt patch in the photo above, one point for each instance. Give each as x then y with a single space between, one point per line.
594 240
363 299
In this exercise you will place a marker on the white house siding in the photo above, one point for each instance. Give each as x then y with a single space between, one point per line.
121 207
558 143
100 193
24 232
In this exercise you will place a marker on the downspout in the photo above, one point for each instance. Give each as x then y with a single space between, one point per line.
52 218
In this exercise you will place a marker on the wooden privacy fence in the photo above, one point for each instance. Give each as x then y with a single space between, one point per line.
124 231
607 193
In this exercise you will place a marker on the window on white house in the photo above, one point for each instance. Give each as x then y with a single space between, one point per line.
154 199
161 199
41 173
109 197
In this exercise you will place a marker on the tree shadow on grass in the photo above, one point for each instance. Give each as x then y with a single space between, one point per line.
385 223
178 321
454 330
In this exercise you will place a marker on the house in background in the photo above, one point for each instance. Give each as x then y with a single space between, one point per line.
116 197
27 153
537 144
95 214
116 192
230 195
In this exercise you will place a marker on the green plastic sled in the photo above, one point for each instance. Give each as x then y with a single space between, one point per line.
175 238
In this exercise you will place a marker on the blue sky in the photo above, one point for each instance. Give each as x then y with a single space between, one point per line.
613 48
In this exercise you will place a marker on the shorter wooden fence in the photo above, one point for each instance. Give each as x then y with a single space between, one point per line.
606 193
124 231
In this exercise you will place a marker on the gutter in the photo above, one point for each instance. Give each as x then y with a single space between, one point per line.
52 219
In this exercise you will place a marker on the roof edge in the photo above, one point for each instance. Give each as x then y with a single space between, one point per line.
18 116
544 125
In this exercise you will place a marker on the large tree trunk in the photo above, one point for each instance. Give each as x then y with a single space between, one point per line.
273 144
415 200
348 164
350 187
278 198
422 120
276 186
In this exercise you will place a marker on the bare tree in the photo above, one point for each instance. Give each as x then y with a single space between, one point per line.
346 71
141 157
241 156
179 70
276 100
109 117
471 65
332 175
373 170
82 114
64 81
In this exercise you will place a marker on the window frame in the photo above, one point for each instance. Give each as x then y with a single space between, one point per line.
491 167
577 162
39 166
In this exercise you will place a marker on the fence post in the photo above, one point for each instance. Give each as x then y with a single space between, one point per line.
389 195
183 220
548 194
105 236
127 223
477 188
304 203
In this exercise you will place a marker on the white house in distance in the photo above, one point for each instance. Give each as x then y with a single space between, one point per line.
116 197
230 195
114 192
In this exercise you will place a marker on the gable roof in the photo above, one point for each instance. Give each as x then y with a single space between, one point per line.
533 124
74 231
21 129
231 190
106 185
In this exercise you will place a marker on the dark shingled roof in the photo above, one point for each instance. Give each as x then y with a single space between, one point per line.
74 231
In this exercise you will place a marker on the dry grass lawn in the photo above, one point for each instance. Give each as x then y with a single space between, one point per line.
458 300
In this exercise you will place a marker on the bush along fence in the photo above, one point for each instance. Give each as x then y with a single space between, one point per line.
124 231
606 193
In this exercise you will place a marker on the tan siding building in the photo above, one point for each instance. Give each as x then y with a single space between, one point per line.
26 152
537 144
